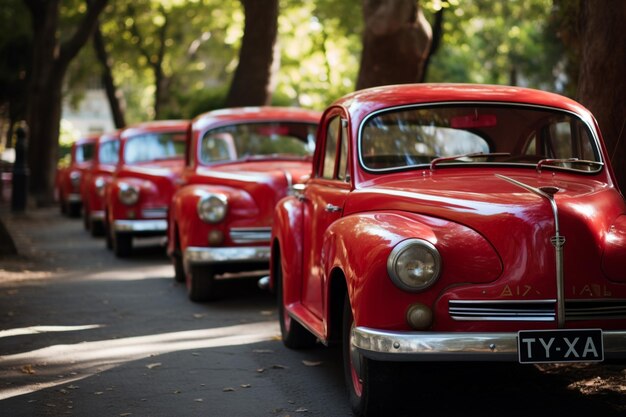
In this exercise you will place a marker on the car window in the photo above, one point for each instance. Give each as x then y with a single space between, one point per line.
265 139
330 148
154 146
453 134
85 152
109 152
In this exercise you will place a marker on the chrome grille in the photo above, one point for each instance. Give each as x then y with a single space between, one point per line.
154 213
595 309
245 235
514 310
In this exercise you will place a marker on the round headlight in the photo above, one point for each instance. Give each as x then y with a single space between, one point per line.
212 208
128 194
414 265
100 183
75 178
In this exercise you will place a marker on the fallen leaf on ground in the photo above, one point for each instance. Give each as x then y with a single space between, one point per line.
98 393
301 410
153 365
245 385
266 312
260 370
28 369
198 316
262 351
228 389
198 400
279 367
312 363
126 414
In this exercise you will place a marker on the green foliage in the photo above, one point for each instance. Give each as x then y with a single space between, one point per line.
507 42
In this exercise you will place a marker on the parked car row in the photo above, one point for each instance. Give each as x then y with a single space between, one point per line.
434 222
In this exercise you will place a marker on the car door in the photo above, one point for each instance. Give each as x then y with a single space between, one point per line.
323 199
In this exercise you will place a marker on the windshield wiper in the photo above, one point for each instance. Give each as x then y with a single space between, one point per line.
566 160
467 155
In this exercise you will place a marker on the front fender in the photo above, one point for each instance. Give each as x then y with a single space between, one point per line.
148 193
287 235
192 230
360 244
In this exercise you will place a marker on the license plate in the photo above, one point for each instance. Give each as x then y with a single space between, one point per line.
550 346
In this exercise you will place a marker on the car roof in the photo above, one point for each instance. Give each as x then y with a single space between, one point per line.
254 114
363 102
155 126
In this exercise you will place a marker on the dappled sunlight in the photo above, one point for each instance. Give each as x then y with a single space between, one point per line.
61 364
132 273
45 329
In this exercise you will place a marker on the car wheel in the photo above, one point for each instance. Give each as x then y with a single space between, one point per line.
107 234
122 245
86 219
63 206
179 269
200 283
97 229
73 210
293 334
371 384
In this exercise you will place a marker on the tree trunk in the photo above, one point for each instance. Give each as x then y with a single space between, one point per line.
601 86
49 65
114 96
396 42
252 81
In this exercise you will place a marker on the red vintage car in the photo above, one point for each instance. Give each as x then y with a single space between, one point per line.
69 179
95 179
240 162
151 157
453 223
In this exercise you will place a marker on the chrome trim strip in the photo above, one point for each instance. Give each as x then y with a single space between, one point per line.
244 235
558 241
195 255
154 213
462 346
509 310
140 226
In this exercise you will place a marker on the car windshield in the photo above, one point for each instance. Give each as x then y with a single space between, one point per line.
267 139
154 146
85 152
477 134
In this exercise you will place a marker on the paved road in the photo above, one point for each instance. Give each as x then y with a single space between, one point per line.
85 334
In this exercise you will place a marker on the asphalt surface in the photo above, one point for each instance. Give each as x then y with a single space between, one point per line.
83 333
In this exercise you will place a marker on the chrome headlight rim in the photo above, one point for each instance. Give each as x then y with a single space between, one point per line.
128 194
75 178
428 252
212 207
99 184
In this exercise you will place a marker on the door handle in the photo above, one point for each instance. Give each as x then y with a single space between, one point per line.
332 208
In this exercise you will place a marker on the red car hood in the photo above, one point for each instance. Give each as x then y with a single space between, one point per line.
517 222
265 181
171 168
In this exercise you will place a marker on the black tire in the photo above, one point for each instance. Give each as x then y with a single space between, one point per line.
122 245
293 334
97 229
86 219
73 209
108 233
63 207
179 269
371 384
200 283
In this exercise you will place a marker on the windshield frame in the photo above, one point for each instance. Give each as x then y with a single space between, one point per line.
590 129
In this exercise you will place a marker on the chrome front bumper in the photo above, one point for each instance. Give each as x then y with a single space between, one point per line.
96 216
140 226
195 255
433 346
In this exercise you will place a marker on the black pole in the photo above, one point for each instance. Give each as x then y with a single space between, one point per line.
20 172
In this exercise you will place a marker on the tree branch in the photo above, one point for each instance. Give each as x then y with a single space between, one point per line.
70 48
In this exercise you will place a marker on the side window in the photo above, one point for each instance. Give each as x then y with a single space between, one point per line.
330 149
342 174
